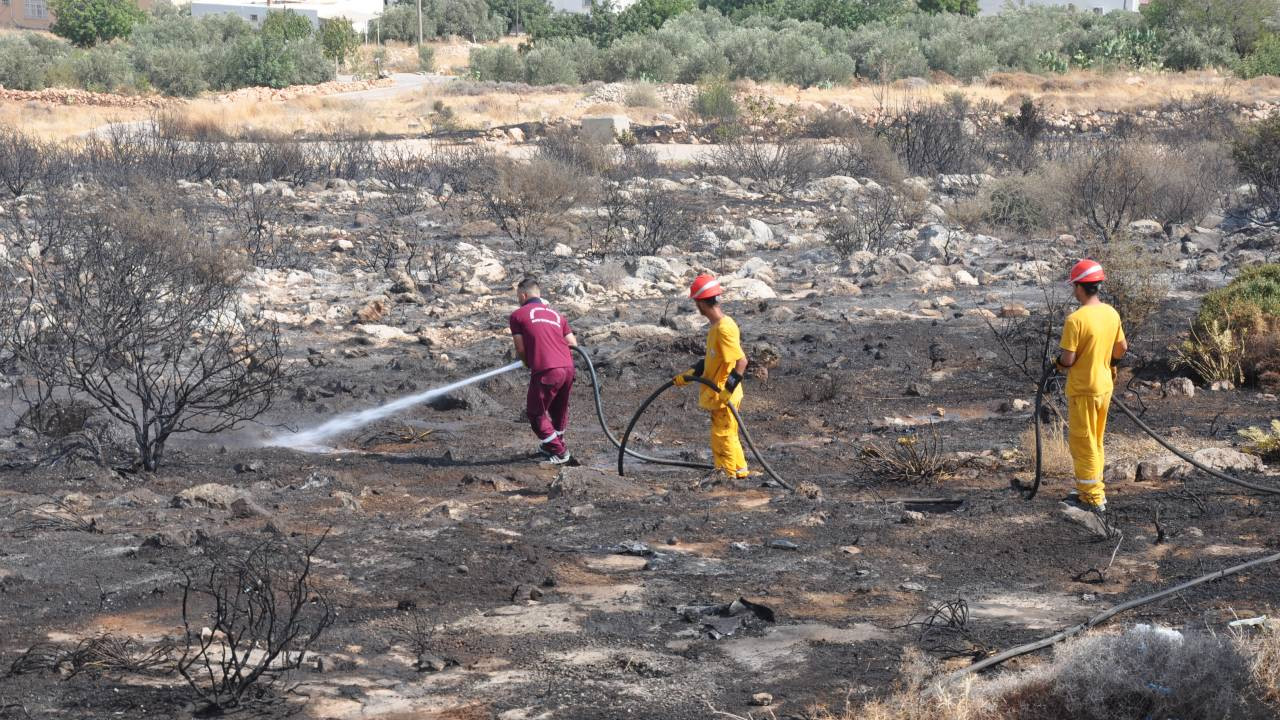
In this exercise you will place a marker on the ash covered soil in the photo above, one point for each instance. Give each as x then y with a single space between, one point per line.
554 592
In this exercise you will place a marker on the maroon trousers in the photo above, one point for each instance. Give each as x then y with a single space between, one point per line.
548 406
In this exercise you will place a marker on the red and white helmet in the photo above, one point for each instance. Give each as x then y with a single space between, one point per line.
1086 271
705 287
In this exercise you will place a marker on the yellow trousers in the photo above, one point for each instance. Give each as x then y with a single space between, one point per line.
1087 422
725 446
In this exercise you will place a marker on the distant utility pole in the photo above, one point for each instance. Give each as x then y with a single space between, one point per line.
419 23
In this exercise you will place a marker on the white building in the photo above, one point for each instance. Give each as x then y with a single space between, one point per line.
991 7
359 12
581 6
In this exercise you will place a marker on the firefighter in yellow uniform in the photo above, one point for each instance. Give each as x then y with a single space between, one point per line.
723 365
1092 341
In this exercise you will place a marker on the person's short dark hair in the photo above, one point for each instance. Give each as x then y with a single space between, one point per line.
1090 288
528 286
713 300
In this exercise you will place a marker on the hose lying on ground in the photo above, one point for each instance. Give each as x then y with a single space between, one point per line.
604 425
1103 617
1045 380
1165 443
622 447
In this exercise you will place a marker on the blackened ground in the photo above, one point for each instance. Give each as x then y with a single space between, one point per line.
457 519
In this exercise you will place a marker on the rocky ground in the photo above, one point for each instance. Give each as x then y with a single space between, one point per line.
471 581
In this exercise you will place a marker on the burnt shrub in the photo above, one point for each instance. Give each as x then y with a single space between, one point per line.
1107 186
640 211
1113 182
529 200
1134 285
1023 135
587 155
780 167
938 138
250 612
23 161
832 123
862 153
1020 204
1257 157
870 225
110 310
1187 181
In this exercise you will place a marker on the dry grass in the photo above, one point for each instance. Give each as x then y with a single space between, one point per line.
480 107
1098 676
1056 462
1074 91
410 114
58 122
1263 649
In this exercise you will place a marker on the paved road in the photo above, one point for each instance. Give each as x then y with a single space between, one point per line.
403 83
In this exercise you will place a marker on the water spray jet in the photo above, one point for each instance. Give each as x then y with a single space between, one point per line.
312 439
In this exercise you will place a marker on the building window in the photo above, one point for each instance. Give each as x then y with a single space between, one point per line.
37 9
253 17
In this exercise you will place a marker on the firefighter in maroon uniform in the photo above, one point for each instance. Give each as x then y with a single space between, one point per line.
543 342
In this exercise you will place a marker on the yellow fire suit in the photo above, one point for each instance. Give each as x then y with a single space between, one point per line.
1092 333
724 350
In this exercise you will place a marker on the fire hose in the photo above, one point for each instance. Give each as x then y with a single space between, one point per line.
624 451
604 425
622 448
1046 381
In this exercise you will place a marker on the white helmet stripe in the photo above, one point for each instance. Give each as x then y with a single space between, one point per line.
1087 272
702 291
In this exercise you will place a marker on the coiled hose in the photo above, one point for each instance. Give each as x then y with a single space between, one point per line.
595 387
1042 389
623 451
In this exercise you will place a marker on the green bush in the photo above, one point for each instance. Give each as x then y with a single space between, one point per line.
651 14
285 26
339 39
88 22
715 101
639 57
497 64
532 14
549 66
975 62
1250 303
890 54
426 58
24 63
703 61
400 23
1257 157
1264 60
962 7
174 71
105 68
800 61
1193 49
257 61
465 18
